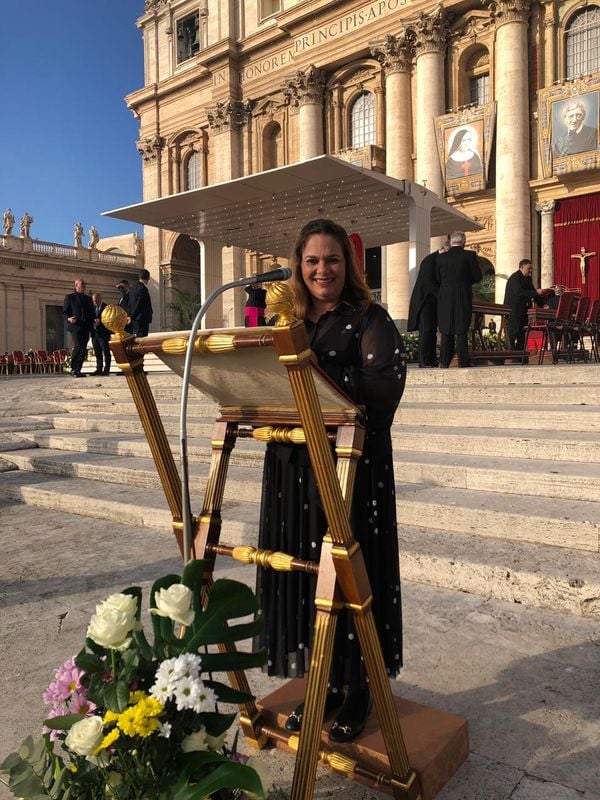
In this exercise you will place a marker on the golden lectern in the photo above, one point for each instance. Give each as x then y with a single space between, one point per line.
290 399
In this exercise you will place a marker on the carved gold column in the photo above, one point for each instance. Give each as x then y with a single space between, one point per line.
395 54
513 216
305 90
546 211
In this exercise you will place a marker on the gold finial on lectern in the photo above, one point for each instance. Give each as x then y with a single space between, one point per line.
115 318
280 301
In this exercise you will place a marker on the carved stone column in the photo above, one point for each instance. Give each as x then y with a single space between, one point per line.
549 43
305 90
225 121
431 32
513 216
546 210
395 54
150 149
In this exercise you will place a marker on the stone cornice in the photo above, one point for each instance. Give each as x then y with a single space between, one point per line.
504 11
153 5
395 53
228 113
431 32
306 86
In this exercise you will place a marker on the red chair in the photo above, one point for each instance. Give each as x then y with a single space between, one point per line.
576 348
591 328
554 330
21 362
43 362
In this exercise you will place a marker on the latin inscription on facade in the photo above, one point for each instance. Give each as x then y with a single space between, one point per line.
319 36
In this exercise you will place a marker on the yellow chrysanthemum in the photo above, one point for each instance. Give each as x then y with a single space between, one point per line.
110 717
127 721
135 697
110 737
146 726
150 707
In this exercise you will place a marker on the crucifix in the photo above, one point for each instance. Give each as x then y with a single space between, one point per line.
582 255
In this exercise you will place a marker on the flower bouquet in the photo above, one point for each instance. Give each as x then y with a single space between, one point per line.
134 720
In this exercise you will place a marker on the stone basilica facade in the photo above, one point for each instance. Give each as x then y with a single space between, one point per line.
492 104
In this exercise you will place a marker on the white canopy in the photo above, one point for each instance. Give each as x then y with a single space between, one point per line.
265 211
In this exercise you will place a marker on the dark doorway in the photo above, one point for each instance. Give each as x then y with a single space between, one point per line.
55 328
373 270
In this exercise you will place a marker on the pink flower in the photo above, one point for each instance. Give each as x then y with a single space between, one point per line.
68 677
79 704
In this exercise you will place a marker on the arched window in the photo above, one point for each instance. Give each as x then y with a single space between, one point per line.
478 74
582 42
362 120
272 144
192 172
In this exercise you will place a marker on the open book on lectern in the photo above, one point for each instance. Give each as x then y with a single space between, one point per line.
240 370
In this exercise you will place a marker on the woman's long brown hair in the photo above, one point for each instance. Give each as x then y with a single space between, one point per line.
355 290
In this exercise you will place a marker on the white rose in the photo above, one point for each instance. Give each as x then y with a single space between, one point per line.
263 772
111 628
195 741
120 602
85 736
175 603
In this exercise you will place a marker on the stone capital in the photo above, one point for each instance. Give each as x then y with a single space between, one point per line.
395 53
153 5
305 87
546 207
228 113
504 11
431 32
149 147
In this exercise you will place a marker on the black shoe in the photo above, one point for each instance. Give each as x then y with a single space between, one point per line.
333 700
97 372
106 372
73 374
352 716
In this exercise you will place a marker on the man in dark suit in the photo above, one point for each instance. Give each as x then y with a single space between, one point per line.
518 294
422 310
100 337
456 272
78 308
123 301
140 305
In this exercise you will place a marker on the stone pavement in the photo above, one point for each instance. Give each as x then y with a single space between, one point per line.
526 679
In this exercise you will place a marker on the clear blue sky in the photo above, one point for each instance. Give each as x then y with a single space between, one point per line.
67 139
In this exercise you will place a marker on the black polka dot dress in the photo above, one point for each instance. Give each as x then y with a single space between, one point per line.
363 353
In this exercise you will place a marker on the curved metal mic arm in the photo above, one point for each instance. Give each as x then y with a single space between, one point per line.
280 274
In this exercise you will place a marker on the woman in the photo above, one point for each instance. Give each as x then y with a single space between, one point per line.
463 159
357 344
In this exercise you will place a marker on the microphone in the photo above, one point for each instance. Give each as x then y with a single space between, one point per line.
279 274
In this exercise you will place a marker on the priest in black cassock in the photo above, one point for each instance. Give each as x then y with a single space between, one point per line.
422 310
456 272
519 294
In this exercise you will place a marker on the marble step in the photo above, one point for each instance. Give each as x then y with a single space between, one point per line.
106 434
490 417
527 375
559 522
527 573
575 480
541 395
243 483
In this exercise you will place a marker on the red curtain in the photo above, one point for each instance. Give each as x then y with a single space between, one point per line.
577 225
359 249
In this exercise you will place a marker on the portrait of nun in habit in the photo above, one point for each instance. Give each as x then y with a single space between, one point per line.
463 156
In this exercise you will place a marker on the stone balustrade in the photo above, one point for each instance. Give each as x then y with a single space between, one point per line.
19 244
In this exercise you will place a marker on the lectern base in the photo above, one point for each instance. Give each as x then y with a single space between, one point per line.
437 743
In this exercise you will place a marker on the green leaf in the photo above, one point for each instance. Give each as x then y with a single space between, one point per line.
234 633
217 723
228 775
227 694
89 663
229 662
63 723
116 695
227 600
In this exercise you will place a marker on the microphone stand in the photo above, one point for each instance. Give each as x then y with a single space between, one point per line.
186 511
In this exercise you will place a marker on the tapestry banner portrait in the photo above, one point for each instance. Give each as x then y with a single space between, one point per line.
464 141
568 115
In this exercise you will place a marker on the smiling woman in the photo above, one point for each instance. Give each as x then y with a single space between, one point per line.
357 344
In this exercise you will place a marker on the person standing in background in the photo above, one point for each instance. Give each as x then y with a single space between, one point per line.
456 272
422 310
78 308
518 294
140 305
100 338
